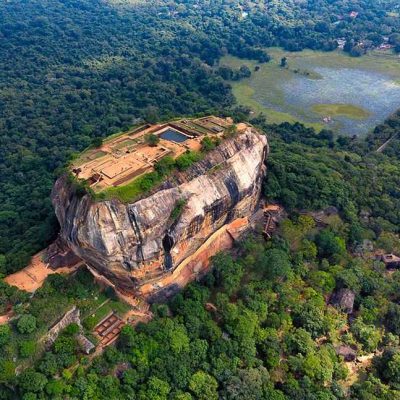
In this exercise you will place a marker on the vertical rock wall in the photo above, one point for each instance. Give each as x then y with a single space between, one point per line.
139 243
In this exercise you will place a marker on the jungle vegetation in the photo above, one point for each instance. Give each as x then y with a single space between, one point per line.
260 325
73 72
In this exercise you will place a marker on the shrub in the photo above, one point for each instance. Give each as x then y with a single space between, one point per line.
207 144
89 323
7 370
151 139
26 324
27 348
71 329
5 333
165 165
177 210
187 159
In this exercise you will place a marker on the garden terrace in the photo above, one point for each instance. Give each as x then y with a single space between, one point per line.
123 158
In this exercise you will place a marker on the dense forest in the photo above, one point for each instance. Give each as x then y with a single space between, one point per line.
386 137
72 71
262 324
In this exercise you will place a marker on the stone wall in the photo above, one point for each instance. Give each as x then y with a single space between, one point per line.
70 317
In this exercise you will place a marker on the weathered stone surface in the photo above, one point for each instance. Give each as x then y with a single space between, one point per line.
344 300
59 255
70 317
347 352
134 244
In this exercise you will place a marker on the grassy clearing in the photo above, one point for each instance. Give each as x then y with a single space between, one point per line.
111 306
346 110
132 190
266 90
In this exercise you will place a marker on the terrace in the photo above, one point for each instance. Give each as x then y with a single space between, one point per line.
123 158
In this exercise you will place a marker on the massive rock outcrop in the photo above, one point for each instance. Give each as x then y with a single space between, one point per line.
161 241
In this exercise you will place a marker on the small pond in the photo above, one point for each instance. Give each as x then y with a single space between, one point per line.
174 136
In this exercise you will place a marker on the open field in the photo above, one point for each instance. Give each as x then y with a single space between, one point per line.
351 94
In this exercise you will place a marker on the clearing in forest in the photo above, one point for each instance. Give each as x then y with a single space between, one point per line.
322 89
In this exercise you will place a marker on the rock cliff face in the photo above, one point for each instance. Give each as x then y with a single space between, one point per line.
147 245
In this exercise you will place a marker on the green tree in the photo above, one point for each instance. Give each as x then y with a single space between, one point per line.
2 264
56 387
156 389
300 342
97 141
330 245
392 318
204 386
151 139
27 348
187 159
388 366
26 324
165 165
227 272
249 384
276 264
7 371
367 335
31 381
182 396
5 334
48 364
207 144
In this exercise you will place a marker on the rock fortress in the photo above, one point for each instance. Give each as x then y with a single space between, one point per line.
153 243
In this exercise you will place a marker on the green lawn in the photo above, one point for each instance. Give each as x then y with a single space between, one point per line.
132 190
111 306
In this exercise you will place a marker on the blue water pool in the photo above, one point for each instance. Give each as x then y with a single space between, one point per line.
174 136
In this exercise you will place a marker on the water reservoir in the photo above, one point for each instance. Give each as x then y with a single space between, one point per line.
174 136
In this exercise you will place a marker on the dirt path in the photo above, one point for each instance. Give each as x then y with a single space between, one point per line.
4 319
33 276
383 147
133 317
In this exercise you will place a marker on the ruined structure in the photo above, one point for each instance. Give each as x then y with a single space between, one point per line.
153 245
390 260
70 317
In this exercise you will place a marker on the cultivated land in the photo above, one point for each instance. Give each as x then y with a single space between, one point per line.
317 88
125 157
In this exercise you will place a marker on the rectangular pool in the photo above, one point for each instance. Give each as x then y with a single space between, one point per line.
174 136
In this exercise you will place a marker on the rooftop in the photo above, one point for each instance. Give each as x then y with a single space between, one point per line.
123 158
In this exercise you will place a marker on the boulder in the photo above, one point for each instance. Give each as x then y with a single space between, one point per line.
138 246
343 299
